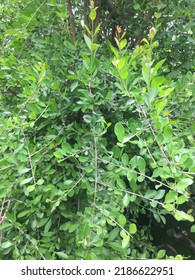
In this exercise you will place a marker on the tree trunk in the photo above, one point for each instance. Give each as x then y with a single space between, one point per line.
72 21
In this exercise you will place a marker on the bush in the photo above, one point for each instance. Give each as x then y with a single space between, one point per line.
90 143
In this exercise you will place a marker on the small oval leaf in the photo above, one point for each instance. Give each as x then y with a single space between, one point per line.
119 131
132 228
6 244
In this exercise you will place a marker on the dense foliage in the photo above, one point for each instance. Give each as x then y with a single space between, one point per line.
96 125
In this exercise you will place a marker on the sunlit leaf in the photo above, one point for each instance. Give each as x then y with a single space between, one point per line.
182 216
6 244
122 220
161 254
126 200
125 241
192 229
171 196
26 181
119 131
132 228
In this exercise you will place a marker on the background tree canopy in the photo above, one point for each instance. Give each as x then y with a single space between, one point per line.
96 125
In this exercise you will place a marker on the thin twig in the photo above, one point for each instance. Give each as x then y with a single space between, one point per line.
30 159
141 174
5 209
29 239
96 168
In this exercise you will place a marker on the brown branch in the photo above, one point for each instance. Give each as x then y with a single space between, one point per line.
145 23
72 21
113 15
85 12
4 209
97 20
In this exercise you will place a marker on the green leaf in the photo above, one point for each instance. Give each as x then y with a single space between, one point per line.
126 200
121 184
122 44
87 28
161 254
48 226
59 153
157 81
89 169
115 52
137 6
169 207
126 138
97 29
125 241
26 181
55 205
141 164
124 73
83 159
132 228
88 41
150 193
125 159
133 162
116 246
178 257
23 213
6 244
123 233
157 15
73 228
62 255
65 226
93 14
122 220
192 229
159 194
149 97
56 85
23 170
157 66
40 182
146 75
68 182
49 187
97 241
166 92
42 222
160 104
116 151
91 256
171 196
12 32
121 63
31 188
94 46
32 78
119 131
133 185
153 204
73 86
113 234
4 191
66 148
182 199
37 199
182 216
5 225
183 184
